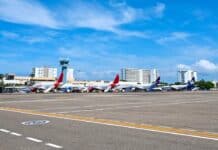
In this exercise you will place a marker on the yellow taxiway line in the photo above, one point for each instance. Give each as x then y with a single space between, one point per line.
146 127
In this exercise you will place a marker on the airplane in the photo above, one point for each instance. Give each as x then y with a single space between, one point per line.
46 87
125 86
190 86
105 87
68 87
134 86
149 87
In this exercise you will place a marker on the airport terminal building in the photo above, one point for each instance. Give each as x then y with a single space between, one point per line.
142 76
186 75
44 72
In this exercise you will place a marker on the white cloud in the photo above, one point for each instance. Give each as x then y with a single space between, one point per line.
159 9
79 15
174 36
183 66
101 18
26 12
9 35
132 33
34 39
206 65
117 3
202 66
199 51
110 18
95 17
25 38
180 35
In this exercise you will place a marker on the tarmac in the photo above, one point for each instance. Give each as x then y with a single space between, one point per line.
110 121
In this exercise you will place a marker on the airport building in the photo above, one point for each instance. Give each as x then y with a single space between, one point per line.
70 75
68 72
23 79
44 72
186 75
12 79
139 75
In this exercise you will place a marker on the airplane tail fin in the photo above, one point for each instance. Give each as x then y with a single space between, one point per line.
193 79
113 84
60 79
157 80
155 84
191 84
116 79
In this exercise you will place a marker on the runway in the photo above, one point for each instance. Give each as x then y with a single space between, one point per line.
165 121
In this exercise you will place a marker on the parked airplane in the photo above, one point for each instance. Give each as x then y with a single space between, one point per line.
149 87
105 87
134 86
189 86
125 86
69 87
46 87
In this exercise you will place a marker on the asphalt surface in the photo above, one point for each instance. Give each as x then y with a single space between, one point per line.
110 121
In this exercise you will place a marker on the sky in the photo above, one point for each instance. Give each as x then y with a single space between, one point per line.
100 37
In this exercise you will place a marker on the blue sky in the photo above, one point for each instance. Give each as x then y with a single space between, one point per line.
101 37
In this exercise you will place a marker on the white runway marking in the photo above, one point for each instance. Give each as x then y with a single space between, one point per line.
137 106
54 145
34 139
16 134
12 133
4 130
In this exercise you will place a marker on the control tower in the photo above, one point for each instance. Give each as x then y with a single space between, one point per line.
64 65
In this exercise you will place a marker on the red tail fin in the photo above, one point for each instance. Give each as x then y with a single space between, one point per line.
116 79
60 79
115 82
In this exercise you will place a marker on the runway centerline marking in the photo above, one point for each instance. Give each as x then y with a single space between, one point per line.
115 123
4 130
12 133
54 145
34 140
16 134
